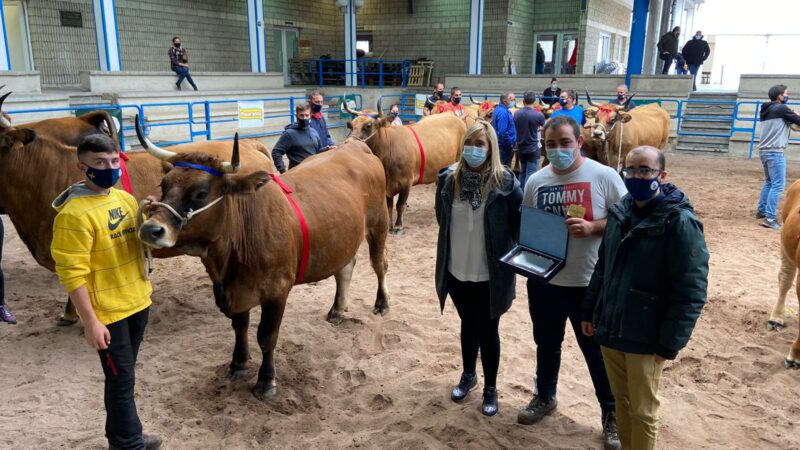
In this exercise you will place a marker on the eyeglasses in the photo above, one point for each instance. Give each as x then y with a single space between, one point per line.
640 172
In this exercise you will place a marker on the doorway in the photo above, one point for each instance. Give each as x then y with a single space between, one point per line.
19 43
555 52
285 50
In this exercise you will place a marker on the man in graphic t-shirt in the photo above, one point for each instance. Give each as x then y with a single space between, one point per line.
582 191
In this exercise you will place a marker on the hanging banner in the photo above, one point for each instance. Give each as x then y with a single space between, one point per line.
251 114
419 103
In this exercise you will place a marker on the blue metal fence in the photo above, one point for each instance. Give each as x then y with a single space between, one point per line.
370 72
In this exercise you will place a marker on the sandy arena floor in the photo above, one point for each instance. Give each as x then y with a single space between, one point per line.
384 382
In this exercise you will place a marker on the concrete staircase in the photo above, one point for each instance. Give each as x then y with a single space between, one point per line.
702 119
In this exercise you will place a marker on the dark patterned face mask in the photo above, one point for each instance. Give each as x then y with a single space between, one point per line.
471 188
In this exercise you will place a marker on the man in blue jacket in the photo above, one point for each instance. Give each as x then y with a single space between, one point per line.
648 288
503 124
298 141
316 100
567 100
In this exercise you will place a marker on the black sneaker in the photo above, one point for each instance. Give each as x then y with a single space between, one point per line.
151 442
178 86
536 409
610 435
771 223
760 215
489 407
469 381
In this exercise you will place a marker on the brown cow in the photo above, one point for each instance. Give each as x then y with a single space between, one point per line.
36 169
441 135
251 241
790 258
620 131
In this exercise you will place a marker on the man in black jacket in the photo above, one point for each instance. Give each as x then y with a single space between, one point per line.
648 288
298 141
668 48
695 52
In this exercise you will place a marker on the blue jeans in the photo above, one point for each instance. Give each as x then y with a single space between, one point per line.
183 73
529 163
693 70
774 181
506 154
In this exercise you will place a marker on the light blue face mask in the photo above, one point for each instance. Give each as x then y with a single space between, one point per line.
474 156
561 158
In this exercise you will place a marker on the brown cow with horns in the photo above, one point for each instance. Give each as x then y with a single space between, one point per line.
250 237
411 154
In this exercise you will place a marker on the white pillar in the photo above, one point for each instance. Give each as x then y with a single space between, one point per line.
475 36
653 27
107 32
255 30
5 56
351 66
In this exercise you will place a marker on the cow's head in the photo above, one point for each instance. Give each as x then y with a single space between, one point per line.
485 109
366 124
606 116
193 183
12 138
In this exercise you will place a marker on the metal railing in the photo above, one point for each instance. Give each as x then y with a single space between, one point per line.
370 72
200 116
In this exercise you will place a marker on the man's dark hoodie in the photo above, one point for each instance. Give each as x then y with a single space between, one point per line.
695 51
650 282
775 119
297 144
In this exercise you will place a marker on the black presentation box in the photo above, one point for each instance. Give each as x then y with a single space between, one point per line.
542 249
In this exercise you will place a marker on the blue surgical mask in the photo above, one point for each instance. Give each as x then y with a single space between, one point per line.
474 156
562 102
642 189
105 178
512 105
561 158
698 37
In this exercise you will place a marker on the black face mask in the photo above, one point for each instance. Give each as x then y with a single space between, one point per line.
303 123
178 45
439 93
456 100
316 108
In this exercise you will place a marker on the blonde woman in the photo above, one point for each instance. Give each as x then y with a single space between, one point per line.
477 207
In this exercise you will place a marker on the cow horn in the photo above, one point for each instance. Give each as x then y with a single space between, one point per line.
473 100
589 99
151 148
233 166
380 110
347 108
3 121
625 105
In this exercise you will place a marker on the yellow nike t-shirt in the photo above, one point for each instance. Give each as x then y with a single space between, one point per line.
95 243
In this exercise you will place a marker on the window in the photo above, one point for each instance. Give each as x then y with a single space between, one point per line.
619 46
555 53
604 47
364 43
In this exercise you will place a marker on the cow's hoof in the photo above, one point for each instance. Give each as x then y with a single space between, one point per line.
774 325
397 231
382 310
265 390
791 364
236 371
64 321
335 317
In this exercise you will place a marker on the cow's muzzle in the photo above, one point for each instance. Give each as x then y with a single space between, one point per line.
154 234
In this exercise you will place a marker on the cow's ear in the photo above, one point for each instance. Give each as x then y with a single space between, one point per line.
591 113
247 184
624 117
24 135
166 167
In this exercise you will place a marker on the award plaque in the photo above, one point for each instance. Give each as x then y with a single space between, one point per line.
542 249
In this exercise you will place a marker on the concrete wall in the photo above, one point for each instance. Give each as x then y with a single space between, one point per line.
318 20
60 53
214 32
133 81
520 34
602 17
20 82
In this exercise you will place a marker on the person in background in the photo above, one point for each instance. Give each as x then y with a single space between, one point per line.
569 108
5 313
647 290
540 59
455 106
571 182
100 262
503 123
298 141
477 208
552 93
430 102
695 52
394 113
680 64
622 97
528 121
775 118
316 101
668 48
179 63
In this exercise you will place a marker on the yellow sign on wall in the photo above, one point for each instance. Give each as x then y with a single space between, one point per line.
251 114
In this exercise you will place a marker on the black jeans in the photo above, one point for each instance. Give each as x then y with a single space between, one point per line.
550 307
667 63
183 73
123 428
478 330
2 280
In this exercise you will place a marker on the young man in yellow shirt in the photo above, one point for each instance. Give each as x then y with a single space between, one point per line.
100 263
